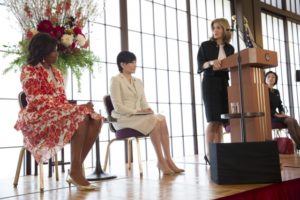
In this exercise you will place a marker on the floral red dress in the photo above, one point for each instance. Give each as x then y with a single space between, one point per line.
48 122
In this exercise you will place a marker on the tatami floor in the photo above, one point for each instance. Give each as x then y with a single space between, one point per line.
195 183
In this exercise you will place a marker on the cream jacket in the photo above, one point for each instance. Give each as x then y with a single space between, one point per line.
128 98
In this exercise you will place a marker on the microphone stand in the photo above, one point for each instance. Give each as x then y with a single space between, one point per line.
99 174
242 119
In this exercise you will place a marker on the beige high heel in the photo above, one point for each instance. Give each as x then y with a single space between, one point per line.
167 172
174 168
178 170
79 187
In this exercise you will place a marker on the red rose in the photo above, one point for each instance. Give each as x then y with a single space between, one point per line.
67 5
27 10
45 26
78 13
73 45
47 12
58 31
29 34
59 8
77 31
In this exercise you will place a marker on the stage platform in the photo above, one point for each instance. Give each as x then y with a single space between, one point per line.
195 183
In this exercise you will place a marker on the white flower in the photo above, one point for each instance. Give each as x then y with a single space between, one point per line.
34 31
67 40
80 40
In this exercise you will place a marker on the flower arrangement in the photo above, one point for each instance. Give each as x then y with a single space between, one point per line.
63 20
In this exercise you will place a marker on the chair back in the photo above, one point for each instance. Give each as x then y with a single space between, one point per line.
123 133
227 128
278 125
109 108
22 99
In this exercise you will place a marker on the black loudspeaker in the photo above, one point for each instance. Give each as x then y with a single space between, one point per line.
298 75
245 163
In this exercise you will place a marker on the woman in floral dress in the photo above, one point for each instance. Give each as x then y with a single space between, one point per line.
49 121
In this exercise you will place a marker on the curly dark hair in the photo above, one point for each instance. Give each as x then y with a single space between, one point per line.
125 57
41 45
271 72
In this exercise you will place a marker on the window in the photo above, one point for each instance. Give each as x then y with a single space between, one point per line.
294 49
101 32
273 39
293 6
159 38
275 3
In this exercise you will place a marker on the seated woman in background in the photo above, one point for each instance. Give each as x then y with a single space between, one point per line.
128 98
49 121
276 103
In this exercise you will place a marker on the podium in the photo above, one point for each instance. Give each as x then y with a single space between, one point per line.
257 159
256 94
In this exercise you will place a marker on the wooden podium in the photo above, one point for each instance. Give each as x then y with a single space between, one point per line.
256 95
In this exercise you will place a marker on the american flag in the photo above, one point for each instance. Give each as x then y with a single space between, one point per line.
247 39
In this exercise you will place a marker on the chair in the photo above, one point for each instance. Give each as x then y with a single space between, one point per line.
23 103
126 134
226 127
278 127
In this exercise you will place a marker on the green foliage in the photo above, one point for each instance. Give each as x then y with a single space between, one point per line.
77 61
21 53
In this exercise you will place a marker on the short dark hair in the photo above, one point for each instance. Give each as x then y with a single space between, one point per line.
271 72
125 57
41 45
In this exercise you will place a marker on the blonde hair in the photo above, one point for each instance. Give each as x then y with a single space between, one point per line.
225 26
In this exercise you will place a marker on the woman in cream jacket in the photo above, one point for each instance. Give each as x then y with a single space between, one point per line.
128 98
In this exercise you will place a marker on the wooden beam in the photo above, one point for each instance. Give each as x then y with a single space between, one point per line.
280 12
124 25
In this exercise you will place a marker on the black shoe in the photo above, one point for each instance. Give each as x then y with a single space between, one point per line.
206 160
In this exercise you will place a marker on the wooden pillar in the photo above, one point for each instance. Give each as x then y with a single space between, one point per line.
194 119
124 25
124 47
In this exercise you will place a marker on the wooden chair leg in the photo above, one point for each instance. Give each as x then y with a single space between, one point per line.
129 152
83 170
139 156
17 175
50 165
276 133
35 168
62 153
56 167
41 176
107 154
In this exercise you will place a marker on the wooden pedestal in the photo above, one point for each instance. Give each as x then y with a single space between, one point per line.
256 96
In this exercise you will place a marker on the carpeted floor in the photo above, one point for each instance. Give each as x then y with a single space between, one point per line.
287 190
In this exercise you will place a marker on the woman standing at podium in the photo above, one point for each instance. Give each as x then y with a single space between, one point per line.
215 81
